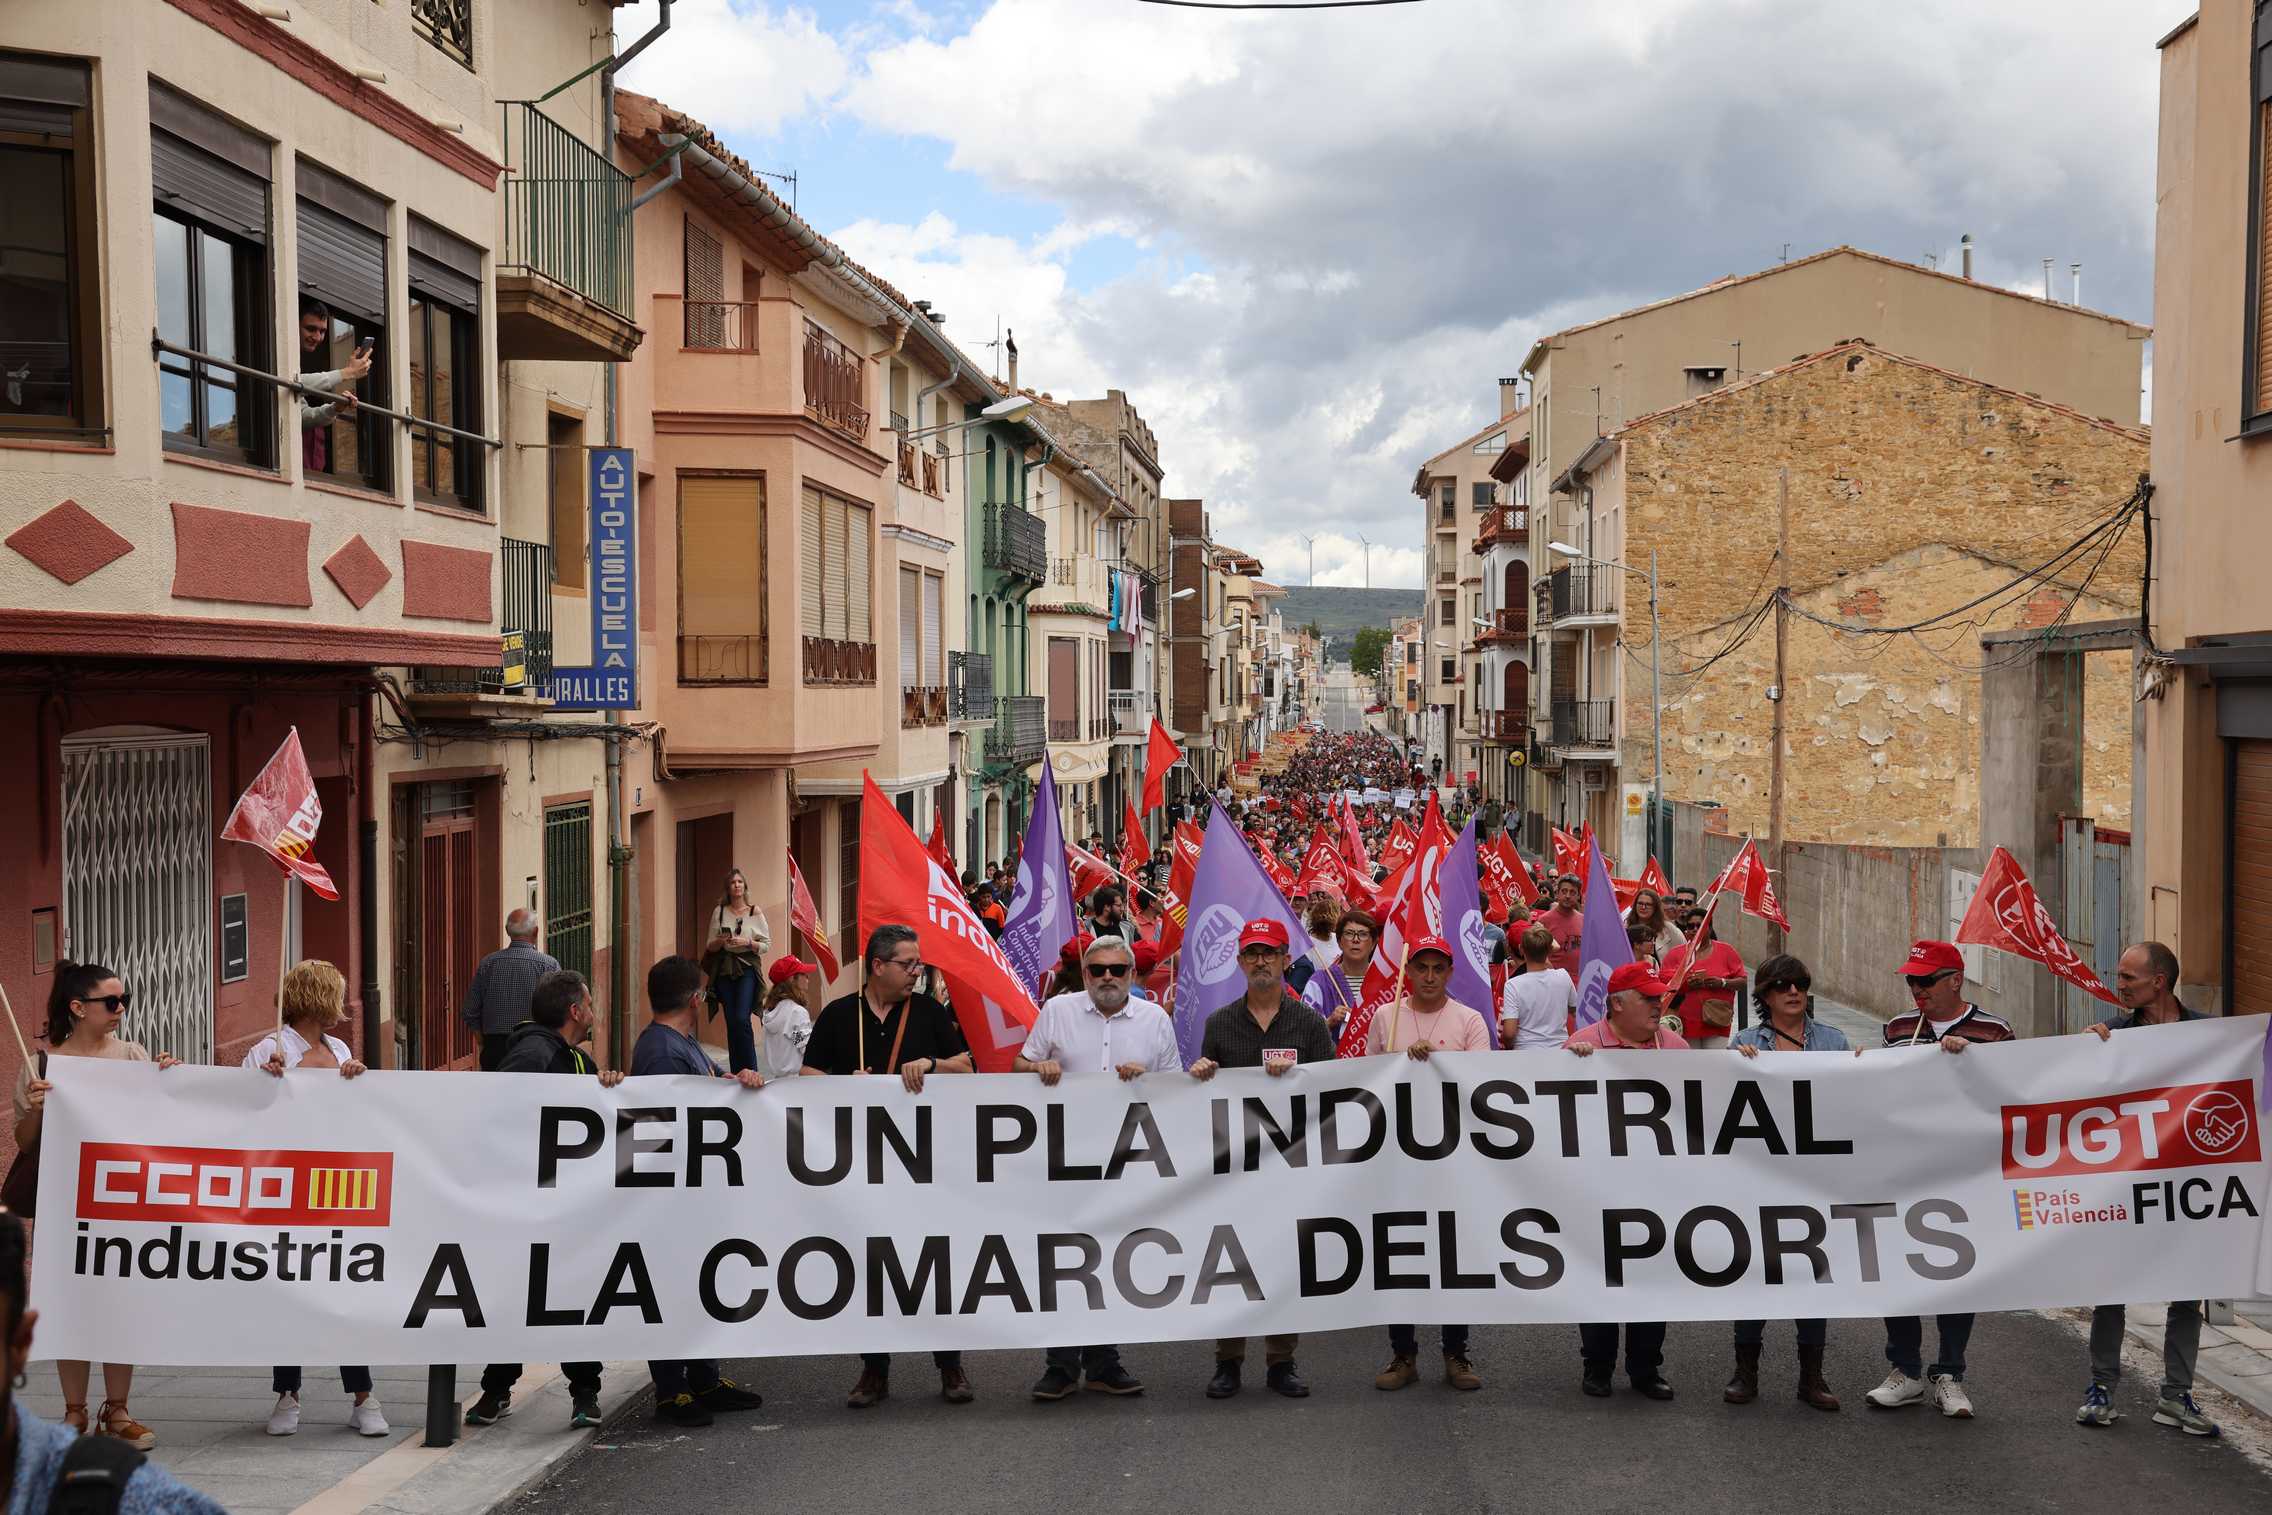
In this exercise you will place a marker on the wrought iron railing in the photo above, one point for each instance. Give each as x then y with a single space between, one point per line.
1503 523
1020 729
1064 728
1583 723
1583 589
970 686
829 661
834 383
447 24
923 707
720 325
722 659
1512 621
525 627
1017 542
567 209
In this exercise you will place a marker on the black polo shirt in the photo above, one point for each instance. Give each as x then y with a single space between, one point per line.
834 1047
1231 1039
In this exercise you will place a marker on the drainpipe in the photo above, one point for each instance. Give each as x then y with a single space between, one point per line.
954 373
367 875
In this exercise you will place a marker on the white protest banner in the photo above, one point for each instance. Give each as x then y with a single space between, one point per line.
218 1216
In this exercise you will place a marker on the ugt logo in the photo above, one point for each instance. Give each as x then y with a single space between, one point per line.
2181 1126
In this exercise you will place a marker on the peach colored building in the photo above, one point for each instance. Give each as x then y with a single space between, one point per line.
2204 831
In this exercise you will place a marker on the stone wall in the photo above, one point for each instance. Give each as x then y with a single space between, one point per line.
1912 492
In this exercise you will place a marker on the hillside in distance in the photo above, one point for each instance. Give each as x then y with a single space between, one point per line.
1339 612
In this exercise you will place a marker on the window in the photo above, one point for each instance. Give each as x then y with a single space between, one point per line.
1447 611
722 611
343 313
2256 353
934 631
209 178
704 288
565 470
50 319
1447 500
834 569
445 366
1451 670
1482 495
910 628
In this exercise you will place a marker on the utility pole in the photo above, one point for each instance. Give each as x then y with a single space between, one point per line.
1782 695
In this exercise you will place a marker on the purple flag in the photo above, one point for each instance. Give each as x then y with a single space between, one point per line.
1462 903
1602 944
1228 889
1040 921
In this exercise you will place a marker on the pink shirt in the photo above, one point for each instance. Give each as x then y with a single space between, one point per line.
1451 1027
1599 1035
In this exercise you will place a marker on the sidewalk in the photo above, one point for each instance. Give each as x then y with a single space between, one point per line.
211 1433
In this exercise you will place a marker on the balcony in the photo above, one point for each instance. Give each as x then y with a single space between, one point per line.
1065 728
828 661
835 384
719 325
564 275
1511 727
722 659
970 686
1017 543
1511 624
1019 734
1584 594
922 707
1503 525
525 628
1582 725
447 25
1131 714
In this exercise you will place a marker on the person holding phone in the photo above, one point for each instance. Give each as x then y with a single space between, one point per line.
316 416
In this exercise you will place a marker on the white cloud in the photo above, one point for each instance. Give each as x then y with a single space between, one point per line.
743 67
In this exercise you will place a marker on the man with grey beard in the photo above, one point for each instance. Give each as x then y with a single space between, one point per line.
1097 1028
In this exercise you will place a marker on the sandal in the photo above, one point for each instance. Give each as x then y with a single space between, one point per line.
75 1416
116 1422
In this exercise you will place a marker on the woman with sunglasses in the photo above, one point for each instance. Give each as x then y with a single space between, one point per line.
83 1011
1786 1024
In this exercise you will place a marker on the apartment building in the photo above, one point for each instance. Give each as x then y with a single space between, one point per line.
1069 649
1457 493
1914 493
2202 836
207 201
1197 608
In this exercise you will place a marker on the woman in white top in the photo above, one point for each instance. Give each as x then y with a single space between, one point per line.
1534 1009
314 1000
787 1018
739 938
1649 910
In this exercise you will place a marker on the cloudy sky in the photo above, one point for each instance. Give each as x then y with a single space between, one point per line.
1308 244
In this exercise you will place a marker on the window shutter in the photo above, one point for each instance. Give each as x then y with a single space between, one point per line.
444 268
934 631
185 177
812 589
910 628
343 264
2263 395
859 621
832 567
705 285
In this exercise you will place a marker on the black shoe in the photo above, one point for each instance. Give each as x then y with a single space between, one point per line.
684 1410
1652 1387
1054 1383
1596 1382
489 1409
726 1396
1115 1380
584 1414
1286 1381
1225 1383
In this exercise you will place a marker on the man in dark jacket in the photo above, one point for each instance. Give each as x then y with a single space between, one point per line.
549 1041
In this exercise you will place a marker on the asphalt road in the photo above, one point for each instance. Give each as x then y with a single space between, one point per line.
1529 1440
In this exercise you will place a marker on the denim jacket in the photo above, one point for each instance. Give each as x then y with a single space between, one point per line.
1820 1038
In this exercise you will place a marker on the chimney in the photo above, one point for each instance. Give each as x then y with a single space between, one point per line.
1966 248
2078 272
1510 396
1010 346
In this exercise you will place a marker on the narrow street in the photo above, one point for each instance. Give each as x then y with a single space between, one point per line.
1528 1440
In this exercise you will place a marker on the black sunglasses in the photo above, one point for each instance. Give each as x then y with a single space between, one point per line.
1109 970
115 1003
1919 982
1789 983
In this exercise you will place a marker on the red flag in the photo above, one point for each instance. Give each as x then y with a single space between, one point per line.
1353 840
902 884
1321 865
2005 914
1433 815
1507 864
1653 877
279 814
1160 754
1280 874
1379 989
1627 891
1398 850
1135 852
938 847
1090 872
1747 877
1569 855
806 919
1184 847
1695 942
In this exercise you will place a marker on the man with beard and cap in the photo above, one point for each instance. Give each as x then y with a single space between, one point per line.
1101 1028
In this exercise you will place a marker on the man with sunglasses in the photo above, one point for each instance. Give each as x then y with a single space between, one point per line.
887 1027
1099 1028
1935 975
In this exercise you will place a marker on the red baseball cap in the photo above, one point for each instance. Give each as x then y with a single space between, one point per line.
1071 952
1927 957
1639 977
1147 955
1422 944
789 967
1262 933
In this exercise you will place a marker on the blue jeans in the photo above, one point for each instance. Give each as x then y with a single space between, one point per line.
738 995
1905 1344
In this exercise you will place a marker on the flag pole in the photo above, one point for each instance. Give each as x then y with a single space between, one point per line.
21 1045
283 955
1396 1016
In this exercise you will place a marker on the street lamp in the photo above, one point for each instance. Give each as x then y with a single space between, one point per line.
1656 679
1012 409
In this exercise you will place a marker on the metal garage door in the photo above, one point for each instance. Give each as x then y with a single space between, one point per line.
2250 920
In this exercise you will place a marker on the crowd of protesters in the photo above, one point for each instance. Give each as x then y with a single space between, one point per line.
1104 1014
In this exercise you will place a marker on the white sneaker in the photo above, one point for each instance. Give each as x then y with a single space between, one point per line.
1950 1396
366 1420
1899 1389
284 1420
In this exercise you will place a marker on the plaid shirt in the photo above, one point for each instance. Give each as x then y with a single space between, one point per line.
498 998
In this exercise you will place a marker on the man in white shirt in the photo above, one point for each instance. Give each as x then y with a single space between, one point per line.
1098 1028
